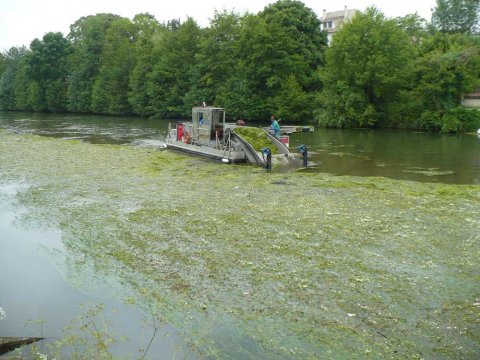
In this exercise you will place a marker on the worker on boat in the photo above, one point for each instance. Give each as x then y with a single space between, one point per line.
275 127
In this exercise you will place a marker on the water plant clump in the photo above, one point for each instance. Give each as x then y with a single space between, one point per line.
256 137
254 265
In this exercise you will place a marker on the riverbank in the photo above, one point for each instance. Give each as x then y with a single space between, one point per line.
263 265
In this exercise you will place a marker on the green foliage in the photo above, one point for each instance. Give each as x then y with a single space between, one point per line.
3 64
170 79
56 95
35 97
247 86
368 63
11 63
48 57
457 16
278 52
240 101
292 102
109 95
7 92
87 36
300 43
22 82
341 107
215 61
252 64
295 51
148 29
448 67
460 119
48 71
378 72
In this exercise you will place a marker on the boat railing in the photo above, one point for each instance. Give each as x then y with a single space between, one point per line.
217 141
228 144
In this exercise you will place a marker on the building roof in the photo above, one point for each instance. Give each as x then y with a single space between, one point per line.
339 14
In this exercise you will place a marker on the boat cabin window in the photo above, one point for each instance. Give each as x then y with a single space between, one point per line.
217 118
203 119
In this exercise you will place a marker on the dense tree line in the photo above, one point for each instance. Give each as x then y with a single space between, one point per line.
378 72
403 72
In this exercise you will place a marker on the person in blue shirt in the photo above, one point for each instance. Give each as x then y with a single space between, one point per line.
275 127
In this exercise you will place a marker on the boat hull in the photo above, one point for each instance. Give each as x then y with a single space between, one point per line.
225 156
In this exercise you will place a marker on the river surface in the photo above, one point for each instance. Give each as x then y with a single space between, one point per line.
395 154
238 262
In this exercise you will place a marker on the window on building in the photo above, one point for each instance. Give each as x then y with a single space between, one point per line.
328 24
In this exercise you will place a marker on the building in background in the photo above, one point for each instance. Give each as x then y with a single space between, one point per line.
333 21
472 100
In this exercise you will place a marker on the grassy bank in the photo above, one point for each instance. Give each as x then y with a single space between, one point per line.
249 264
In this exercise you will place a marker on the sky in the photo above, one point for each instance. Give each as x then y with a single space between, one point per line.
21 21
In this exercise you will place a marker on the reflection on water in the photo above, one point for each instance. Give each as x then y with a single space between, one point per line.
92 129
394 154
254 265
38 301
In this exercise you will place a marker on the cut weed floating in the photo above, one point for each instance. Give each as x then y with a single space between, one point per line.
250 264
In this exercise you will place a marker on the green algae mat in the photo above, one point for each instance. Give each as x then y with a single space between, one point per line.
248 264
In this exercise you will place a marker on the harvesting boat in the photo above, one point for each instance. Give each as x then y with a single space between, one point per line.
209 135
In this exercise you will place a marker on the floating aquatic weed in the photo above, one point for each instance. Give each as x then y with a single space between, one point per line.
256 137
428 171
270 264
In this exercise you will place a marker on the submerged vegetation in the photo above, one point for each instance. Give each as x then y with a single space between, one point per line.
264 265
377 71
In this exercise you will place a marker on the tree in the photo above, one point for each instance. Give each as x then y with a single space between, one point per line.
300 44
48 70
297 51
415 26
12 61
148 31
292 102
87 36
244 93
3 63
215 61
110 90
171 79
281 46
368 64
447 68
457 16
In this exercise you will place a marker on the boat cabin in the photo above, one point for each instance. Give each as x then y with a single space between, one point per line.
208 124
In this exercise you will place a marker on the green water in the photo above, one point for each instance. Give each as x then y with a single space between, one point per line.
393 154
247 264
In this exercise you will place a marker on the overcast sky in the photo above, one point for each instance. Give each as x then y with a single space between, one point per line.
21 21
